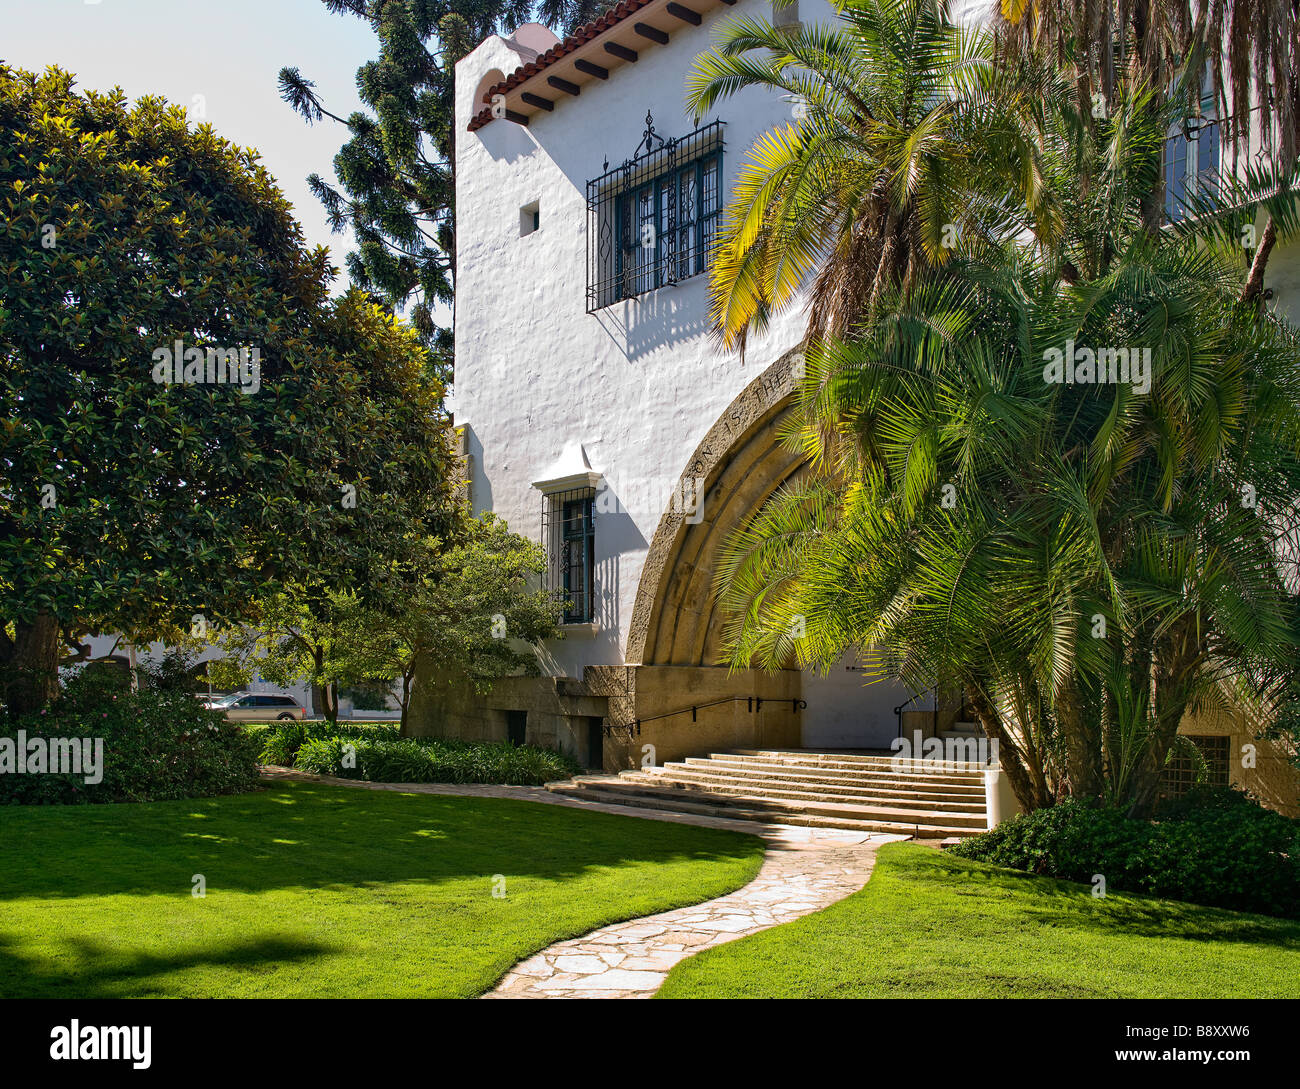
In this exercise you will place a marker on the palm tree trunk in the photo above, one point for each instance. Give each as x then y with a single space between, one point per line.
884 270
1082 748
1174 677
1254 289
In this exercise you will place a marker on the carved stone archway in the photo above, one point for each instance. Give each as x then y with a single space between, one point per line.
737 466
673 694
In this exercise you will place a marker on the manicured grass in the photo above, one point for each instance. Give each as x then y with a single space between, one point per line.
930 925
327 891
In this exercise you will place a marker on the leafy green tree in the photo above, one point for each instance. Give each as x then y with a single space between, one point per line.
473 615
468 614
309 635
566 16
133 504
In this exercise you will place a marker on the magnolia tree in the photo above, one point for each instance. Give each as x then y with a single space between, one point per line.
189 421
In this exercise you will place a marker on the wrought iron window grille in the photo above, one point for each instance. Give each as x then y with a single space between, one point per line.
1183 771
569 537
1192 161
652 221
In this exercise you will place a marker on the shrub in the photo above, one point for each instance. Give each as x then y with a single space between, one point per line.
157 744
1214 847
282 742
256 731
383 757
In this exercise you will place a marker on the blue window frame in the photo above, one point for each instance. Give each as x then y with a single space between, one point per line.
653 220
667 226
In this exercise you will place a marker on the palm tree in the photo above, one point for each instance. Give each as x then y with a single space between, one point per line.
1249 50
901 150
1245 53
1077 557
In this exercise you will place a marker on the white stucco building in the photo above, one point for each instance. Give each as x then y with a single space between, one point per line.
596 412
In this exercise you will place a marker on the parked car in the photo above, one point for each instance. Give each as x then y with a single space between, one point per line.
259 707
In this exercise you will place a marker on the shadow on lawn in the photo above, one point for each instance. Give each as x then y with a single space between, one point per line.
304 835
101 972
1054 902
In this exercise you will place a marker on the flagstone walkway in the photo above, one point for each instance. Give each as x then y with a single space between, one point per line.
804 870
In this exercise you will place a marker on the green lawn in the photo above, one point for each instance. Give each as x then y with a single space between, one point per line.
930 925
327 891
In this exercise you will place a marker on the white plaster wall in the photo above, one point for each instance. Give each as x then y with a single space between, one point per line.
1283 276
638 383
848 710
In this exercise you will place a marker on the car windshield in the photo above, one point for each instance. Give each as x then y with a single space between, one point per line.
225 701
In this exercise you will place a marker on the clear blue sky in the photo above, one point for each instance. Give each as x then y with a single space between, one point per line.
229 52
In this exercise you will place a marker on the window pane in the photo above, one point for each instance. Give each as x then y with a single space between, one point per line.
667 209
645 240
1207 152
688 222
712 187
576 560
661 227
1175 176
707 237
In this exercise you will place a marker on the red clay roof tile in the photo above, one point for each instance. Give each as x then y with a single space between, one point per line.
581 36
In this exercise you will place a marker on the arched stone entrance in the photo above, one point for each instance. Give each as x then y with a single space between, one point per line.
674 694
740 463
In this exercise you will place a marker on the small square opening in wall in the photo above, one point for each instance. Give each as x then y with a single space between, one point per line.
530 218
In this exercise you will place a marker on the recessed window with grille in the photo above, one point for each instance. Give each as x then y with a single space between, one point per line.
652 221
1192 157
569 535
1182 771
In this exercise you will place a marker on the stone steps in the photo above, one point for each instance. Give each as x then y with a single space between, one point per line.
972 802
956 783
882 762
833 790
768 814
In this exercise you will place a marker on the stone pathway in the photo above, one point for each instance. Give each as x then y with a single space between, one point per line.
804 870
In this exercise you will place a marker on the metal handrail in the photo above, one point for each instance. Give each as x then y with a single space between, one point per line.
754 704
898 711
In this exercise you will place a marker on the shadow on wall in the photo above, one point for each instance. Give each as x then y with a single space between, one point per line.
480 486
648 322
506 142
616 534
